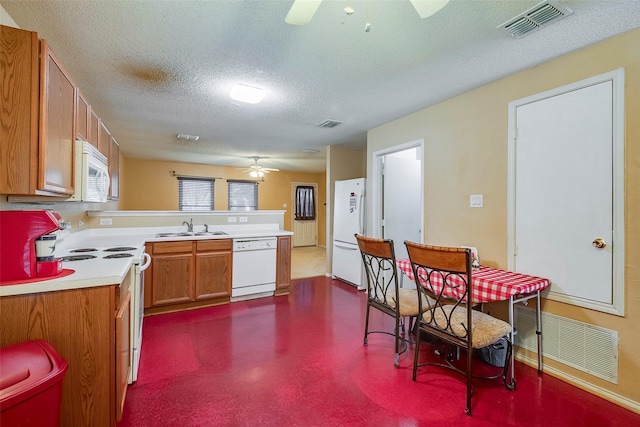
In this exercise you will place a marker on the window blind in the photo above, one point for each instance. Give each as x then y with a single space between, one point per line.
243 195
195 194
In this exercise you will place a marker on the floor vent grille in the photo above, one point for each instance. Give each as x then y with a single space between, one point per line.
536 17
586 347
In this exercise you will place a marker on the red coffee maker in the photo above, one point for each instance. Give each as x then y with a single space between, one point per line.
19 231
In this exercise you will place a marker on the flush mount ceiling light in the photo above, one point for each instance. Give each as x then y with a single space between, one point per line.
248 94
302 11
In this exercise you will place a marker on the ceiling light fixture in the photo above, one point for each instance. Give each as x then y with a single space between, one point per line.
248 94
256 174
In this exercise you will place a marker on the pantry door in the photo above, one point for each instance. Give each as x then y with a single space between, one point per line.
566 191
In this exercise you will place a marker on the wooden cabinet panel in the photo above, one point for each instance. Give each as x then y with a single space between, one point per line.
172 282
283 266
104 140
180 246
114 170
94 128
79 324
213 275
57 114
123 352
214 245
82 116
19 111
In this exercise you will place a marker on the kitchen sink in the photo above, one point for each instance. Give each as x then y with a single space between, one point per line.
186 234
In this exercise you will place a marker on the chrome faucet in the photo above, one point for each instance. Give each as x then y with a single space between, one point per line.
189 225
206 228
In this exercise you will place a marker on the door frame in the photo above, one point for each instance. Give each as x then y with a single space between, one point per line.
376 185
293 206
618 140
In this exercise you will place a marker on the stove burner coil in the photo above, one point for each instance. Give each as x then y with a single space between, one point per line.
120 249
84 250
125 255
77 257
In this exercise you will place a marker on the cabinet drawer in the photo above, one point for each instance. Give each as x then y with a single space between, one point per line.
172 247
214 245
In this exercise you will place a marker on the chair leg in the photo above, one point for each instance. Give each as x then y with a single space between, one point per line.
396 361
366 326
507 364
469 385
417 350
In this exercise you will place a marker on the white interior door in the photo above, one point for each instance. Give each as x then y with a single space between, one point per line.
305 233
402 198
563 164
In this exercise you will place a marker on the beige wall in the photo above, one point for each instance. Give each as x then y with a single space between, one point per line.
342 163
466 153
148 185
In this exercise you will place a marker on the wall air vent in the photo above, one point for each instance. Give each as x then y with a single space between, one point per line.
535 18
329 124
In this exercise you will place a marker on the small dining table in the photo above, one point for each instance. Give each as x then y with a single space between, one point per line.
492 284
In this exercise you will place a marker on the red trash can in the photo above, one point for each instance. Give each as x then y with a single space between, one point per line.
31 376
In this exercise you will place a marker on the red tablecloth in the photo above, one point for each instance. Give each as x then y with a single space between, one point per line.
492 284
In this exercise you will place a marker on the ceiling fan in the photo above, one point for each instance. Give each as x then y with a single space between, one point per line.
302 11
257 171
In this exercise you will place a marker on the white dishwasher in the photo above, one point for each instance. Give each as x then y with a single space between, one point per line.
254 268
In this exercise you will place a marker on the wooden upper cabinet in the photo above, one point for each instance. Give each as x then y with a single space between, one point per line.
57 114
19 111
94 128
37 117
114 170
104 140
82 116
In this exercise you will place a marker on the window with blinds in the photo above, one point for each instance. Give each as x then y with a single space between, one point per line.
305 203
195 194
243 195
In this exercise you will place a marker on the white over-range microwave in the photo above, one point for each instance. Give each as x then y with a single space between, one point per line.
91 174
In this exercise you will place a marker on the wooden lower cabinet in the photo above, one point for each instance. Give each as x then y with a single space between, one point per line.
283 265
186 274
172 279
89 328
213 269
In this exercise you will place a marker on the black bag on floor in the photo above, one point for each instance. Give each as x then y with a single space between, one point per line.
495 353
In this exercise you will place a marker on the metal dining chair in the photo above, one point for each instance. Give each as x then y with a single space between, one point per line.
445 275
383 291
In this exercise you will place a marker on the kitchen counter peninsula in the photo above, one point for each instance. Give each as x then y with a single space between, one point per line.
101 272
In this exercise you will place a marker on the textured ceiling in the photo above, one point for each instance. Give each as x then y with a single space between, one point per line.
153 69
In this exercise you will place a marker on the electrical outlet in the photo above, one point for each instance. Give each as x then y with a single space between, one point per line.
243 219
475 201
106 221
232 219
80 224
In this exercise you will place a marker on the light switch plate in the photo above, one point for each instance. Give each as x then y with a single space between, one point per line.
106 221
475 201
232 219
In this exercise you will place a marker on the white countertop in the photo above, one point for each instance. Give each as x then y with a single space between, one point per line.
101 272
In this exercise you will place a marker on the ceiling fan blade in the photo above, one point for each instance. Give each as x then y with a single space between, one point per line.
302 11
271 170
426 8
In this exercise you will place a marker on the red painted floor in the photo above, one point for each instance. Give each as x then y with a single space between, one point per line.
298 360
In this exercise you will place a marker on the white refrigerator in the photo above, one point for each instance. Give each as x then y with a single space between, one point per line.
348 219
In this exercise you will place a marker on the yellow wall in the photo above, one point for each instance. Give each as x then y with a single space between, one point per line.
148 185
466 153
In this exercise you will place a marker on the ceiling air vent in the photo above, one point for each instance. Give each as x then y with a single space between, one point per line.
536 17
329 124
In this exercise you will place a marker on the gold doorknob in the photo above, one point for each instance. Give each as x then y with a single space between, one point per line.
599 243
